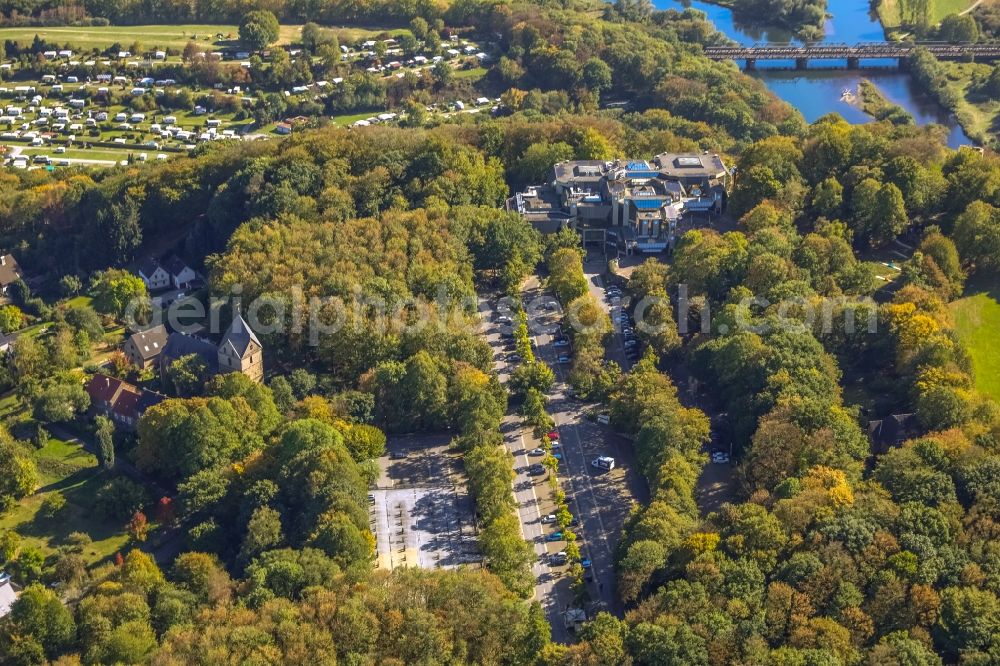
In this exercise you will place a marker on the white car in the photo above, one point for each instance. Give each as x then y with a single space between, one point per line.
603 462
550 518
563 359
536 452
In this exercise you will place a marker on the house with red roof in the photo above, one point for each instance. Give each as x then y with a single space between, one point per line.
120 401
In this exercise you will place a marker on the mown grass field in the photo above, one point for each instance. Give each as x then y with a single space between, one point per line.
149 36
889 10
977 321
66 469
89 154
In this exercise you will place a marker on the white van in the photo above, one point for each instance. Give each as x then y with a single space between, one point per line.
604 419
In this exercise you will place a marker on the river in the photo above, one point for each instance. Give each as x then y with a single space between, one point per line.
818 92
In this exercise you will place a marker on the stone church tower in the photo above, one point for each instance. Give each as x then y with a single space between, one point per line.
241 351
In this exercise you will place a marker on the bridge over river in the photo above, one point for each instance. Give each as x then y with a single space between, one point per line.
853 54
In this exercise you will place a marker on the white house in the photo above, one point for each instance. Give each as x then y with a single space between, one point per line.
181 275
153 274
8 595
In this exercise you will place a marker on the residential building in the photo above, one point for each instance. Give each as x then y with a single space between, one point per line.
635 204
120 401
181 275
144 347
891 431
10 272
180 345
153 274
171 272
8 595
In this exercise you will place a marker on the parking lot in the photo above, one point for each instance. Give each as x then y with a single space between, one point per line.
622 347
601 499
420 511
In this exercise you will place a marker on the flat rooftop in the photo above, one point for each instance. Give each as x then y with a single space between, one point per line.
538 203
579 171
691 165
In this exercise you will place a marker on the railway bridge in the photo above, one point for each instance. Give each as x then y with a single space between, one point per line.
852 54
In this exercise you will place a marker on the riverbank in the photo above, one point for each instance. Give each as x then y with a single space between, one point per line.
977 110
816 92
960 88
805 20
893 13
874 103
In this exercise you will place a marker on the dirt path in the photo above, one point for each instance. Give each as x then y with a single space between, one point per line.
970 8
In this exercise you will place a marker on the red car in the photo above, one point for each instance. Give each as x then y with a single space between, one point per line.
554 436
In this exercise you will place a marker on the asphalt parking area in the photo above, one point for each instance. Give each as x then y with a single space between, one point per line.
420 510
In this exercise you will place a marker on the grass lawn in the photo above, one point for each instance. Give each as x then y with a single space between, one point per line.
351 35
149 36
889 10
977 321
10 407
474 73
349 118
68 470
89 154
978 113
78 301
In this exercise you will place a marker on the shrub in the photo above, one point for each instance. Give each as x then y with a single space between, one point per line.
119 499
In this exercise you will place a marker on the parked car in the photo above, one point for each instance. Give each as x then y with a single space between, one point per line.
561 342
550 518
603 462
553 436
536 470
555 536
720 457
537 452
558 559
564 358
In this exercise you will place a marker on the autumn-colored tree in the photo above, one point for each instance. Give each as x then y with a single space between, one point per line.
138 527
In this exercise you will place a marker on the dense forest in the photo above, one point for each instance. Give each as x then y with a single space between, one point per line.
830 552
